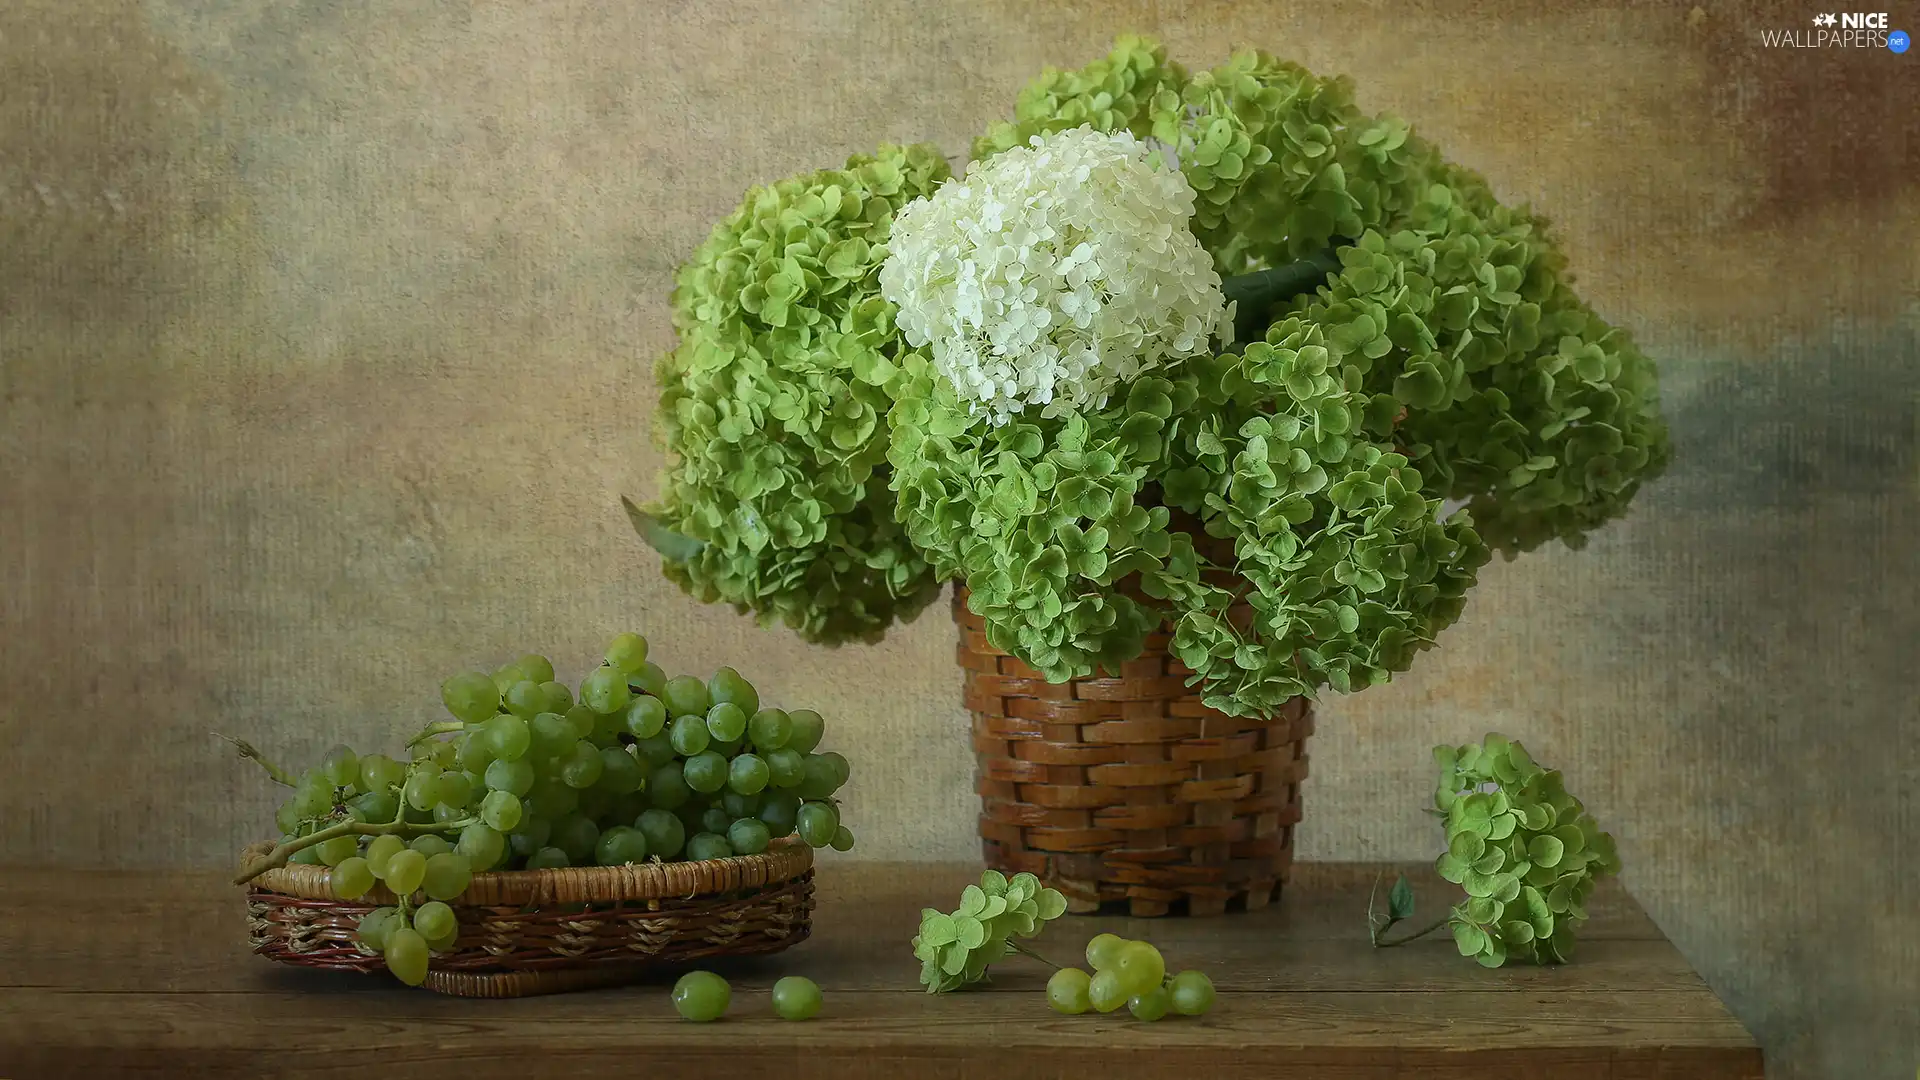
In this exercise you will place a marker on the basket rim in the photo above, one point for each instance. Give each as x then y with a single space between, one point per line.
785 859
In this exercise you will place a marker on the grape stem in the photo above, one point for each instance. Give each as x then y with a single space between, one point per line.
442 727
1024 951
278 856
274 772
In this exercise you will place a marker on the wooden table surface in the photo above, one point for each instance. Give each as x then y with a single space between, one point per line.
120 973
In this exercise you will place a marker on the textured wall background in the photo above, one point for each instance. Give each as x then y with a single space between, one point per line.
325 340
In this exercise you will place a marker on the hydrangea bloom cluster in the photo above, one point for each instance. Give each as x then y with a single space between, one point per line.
775 404
1053 272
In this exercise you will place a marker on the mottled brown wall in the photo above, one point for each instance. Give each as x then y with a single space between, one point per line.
325 333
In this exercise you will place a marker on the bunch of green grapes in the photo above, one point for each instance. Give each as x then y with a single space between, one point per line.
639 766
1130 973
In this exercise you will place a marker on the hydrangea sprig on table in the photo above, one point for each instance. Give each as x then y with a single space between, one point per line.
1526 851
1412 345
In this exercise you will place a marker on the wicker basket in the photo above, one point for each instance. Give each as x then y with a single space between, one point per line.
528 932
1129 789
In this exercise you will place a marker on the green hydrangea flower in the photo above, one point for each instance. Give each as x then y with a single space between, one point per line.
1527 853
775 404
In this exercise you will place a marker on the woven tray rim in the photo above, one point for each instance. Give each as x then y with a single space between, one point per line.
785 859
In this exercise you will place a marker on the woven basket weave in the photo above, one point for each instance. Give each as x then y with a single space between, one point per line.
1129 789
528 932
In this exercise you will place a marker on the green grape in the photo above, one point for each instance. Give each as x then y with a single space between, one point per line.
655 751
551 799
596 804
1068 990
627 653
452 788
649 678
726 748
379 850
482 844
667 787
646 717
1140 967
689 735
351 879
605 690
508 736
842 771
506 676
619 772
374 926
548 858
577 836
314 797
701 996
501 810
796 997
1104 991
817 823
819 777
515 777
447 815
807 727
1192 993
341 767
374 807
786 767
708 845
443 752
685 695
338 850
747 774
415 816
714 820
665 833
559 698
526 700
779 809
531 835
307 856
1103 952
535 667
842 839
550 735
581 767
406 954
622 844
405 870
583 720
287 821
769 729
726 722
727 685
378 772
748 836
429 845
738 805
705 772
471 697
474 754
435 921
1151 1005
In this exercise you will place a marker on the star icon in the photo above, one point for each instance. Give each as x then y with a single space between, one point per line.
1824 20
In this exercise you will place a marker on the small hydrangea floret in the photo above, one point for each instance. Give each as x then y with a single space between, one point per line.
1054 271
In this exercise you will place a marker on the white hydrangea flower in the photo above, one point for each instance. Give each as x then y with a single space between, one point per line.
1051 272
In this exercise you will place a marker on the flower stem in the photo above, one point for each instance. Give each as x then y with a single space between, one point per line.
1379 944
274 772
278 856
1259 292
1024 951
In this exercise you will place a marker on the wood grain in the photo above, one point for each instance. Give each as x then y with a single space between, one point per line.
119 973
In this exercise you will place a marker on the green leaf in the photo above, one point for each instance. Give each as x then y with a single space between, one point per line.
1546 850
969 932
671 545
972 901
993 883
1400 899
1468 938
1052 904
937 930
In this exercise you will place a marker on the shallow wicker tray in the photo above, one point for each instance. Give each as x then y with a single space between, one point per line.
528 932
